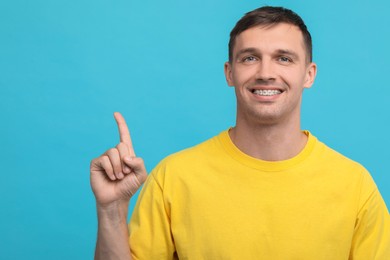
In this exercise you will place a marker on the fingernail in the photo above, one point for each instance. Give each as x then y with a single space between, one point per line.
128 158
120 175
126 169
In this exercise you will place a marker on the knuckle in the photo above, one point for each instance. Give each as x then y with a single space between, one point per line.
96 161
122 149
111 151
92 164
104 161
140 160
120 145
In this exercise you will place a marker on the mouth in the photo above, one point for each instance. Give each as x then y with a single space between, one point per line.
266 92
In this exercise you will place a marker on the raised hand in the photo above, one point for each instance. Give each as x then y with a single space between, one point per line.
117 174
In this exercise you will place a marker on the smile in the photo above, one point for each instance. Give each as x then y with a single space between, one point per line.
266 92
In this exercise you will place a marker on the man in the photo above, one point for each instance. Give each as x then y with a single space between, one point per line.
263 189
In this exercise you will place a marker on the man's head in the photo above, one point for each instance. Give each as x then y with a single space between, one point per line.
269 16
270 66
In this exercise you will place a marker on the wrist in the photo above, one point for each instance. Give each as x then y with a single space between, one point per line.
116 210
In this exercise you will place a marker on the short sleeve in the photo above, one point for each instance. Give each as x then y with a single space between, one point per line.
149 227
372 229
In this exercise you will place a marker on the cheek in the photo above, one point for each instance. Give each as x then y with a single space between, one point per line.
244 75
294 78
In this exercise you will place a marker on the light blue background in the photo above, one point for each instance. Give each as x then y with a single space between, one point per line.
66 66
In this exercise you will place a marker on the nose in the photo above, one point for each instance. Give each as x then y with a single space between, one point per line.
264 70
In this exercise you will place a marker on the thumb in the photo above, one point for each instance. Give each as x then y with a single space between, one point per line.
137 166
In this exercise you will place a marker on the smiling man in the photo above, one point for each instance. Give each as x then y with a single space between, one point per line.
263 189
269 67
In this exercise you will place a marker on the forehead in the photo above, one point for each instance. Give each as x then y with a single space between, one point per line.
274 37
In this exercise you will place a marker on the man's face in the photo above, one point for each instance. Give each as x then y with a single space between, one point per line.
269 71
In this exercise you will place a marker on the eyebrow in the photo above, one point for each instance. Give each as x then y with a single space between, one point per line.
246 50
278 51
288 53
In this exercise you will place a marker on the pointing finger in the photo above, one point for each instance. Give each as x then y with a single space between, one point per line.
124 133
123 152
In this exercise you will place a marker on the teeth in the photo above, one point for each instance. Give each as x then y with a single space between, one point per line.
267 92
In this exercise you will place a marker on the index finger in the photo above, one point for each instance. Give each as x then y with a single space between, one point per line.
124 133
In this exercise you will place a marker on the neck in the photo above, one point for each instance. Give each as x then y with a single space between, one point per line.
269 142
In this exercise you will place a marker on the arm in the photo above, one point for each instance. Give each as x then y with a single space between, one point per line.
371 238
115 177
112 240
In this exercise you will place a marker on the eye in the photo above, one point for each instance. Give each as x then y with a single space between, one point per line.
249 59
285 59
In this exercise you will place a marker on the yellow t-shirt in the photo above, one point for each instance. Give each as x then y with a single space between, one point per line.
213 201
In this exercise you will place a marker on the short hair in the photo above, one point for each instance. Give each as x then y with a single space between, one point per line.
269 16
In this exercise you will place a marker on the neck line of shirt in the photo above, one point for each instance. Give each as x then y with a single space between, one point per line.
263 165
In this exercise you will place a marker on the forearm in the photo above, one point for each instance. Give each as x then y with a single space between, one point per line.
112 241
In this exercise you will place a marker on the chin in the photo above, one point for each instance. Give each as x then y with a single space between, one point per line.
262 117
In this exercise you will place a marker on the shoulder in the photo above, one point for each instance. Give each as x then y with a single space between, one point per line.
189 157
194 153
341 166
342 174
336 159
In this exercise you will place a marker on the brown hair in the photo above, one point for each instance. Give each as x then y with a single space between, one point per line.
269 16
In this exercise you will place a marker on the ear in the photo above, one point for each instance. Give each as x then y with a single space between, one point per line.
228 73
311 72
